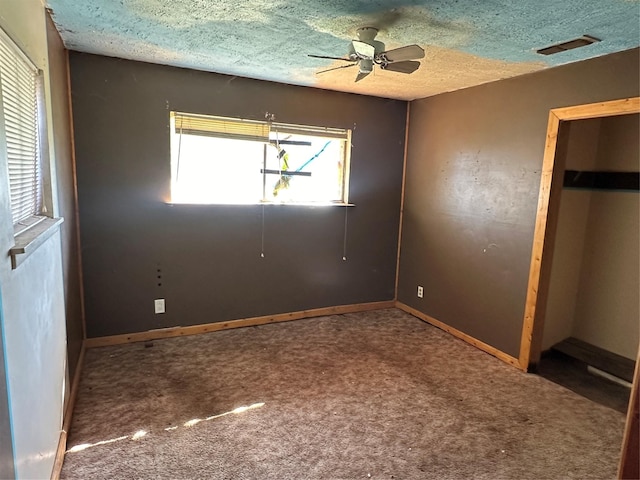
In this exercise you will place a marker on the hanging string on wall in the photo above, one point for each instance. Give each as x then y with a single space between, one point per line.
269 117
344 242
262 235
179 151
346 215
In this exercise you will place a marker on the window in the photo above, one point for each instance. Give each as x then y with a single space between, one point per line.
19 85
22 129
225 160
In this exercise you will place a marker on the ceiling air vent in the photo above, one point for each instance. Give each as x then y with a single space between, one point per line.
583 41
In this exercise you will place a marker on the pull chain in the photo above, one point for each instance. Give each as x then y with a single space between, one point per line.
344 242
262 236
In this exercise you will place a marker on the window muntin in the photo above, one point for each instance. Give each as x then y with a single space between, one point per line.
231 161
19 99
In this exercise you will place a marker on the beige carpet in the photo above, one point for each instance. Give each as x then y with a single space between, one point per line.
369 395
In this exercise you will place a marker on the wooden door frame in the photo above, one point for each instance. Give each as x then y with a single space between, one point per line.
629 465
553 165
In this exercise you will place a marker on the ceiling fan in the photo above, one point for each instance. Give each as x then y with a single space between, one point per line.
367 52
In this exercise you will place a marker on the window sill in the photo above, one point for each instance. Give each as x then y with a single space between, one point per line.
287 204
28 241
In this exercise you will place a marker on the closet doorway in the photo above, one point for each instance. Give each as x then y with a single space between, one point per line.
587 220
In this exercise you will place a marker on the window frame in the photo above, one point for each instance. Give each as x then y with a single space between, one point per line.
31 231
260 131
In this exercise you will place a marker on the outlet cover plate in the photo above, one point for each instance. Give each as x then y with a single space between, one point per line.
158 305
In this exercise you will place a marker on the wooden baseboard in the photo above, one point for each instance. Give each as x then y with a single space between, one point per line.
597 357
68 415
246 322
461 335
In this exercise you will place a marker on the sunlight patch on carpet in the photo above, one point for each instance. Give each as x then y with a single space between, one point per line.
139 434
84 446
195 421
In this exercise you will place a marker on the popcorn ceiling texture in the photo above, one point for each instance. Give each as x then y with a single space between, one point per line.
270 39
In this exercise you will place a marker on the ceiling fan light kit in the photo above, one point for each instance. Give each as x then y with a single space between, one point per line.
367 52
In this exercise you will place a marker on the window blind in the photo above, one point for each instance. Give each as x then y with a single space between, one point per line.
323 132
19 95
222 127
192 124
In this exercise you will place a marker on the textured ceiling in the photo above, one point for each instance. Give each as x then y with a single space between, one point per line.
466 42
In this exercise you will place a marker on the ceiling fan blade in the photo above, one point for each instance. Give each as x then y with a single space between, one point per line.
361 75
332 58
337 68
401 67
363 50
410 52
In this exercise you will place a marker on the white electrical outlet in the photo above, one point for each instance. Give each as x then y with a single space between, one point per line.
158 305
420 291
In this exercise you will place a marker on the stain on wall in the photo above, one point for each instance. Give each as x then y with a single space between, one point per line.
209 255
473 174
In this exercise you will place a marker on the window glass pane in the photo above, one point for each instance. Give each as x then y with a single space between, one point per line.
216 170
321 158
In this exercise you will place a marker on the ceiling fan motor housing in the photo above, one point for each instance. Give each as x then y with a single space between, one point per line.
367 34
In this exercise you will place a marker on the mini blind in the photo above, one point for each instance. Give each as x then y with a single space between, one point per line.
323 132
222 127
210 126
19 95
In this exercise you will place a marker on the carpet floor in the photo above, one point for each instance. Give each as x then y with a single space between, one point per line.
378 395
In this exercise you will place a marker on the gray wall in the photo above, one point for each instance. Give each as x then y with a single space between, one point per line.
34 296
209 256
473 174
